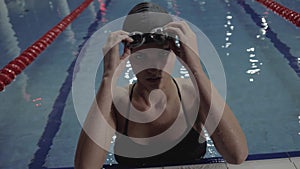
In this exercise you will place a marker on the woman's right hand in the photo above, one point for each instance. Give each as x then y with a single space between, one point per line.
112 57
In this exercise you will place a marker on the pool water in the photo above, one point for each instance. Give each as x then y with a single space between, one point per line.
39 126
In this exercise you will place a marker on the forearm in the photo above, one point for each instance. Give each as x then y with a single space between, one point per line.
219 120
88 153
97 131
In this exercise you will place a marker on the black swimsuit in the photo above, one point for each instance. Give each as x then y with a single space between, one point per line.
187 150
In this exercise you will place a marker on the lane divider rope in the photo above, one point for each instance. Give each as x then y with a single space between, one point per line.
286 13
9 72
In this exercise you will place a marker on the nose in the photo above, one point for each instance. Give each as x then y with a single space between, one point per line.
156 62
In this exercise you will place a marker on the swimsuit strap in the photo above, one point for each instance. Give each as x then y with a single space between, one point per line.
178 91
130 98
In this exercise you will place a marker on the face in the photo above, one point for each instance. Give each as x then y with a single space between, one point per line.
152 63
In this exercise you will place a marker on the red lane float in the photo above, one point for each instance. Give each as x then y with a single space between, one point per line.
9 72
282 11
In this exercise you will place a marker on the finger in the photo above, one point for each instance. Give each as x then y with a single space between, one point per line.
126 53
117 38
122 38
176 31
114 40
183 26
127 39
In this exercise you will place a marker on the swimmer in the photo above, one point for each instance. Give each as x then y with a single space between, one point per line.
151 43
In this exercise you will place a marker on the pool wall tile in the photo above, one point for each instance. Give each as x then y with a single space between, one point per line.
281 163
267 156
201 166
296 161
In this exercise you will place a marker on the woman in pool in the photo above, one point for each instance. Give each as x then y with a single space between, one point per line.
152 57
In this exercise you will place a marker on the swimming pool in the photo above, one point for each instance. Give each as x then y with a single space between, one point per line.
39 126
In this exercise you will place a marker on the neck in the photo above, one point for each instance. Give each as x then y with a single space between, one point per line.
143 90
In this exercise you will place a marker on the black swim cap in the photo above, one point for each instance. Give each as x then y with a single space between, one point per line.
146 16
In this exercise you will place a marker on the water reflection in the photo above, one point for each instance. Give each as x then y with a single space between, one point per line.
172 6
63 10
229 30
9 43
263 29
102 8
129 74
299 123
255 64
17 6
183 72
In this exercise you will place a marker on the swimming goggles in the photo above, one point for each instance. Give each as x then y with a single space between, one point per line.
157 36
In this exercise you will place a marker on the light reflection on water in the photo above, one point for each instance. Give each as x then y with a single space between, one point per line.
255 64
299 124
129 74
254 60
229 31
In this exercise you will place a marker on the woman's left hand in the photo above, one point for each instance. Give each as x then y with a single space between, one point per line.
188 51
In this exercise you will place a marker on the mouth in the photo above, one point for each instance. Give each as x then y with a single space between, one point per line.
153 79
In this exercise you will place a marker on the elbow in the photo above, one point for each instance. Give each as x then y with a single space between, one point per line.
77 164
239 157
77 161
81 162
237 160
80 165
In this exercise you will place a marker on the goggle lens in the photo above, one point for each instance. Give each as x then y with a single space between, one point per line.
157 36
137 40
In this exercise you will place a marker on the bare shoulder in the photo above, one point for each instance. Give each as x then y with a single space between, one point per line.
120 104
186 86
120 95
189 99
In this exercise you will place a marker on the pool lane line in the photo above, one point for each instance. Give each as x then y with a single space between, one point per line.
278 44
53 123
55 116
